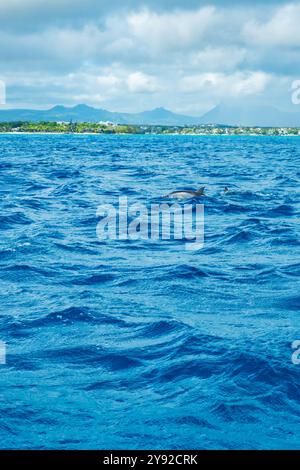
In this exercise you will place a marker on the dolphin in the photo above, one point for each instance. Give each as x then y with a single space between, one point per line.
186 194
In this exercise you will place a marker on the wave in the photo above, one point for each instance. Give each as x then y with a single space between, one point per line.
143 343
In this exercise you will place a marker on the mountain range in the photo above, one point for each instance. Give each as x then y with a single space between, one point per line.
249 115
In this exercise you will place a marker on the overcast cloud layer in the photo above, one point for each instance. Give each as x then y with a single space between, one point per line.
130 56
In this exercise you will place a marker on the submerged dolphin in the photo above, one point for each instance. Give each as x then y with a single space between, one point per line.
184 194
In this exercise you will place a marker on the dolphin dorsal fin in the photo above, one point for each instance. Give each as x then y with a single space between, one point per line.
200 191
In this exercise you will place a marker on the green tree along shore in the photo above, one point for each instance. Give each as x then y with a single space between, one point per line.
65 127
109 128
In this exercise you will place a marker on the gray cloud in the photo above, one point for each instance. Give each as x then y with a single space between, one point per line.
31 15
128 57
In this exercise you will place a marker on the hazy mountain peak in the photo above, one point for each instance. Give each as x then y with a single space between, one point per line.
250 115
225 114
158 112
58 107
82 107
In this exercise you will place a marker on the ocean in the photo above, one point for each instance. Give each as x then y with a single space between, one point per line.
141 344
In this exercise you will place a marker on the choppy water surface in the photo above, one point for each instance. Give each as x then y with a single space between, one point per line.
115 344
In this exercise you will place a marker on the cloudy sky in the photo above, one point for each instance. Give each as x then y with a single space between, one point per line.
126 55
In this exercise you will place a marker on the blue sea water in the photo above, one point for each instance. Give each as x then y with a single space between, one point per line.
133 345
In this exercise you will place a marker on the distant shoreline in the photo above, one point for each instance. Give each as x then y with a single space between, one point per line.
92 128
150 134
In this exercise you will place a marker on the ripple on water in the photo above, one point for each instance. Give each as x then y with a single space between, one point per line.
144 344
